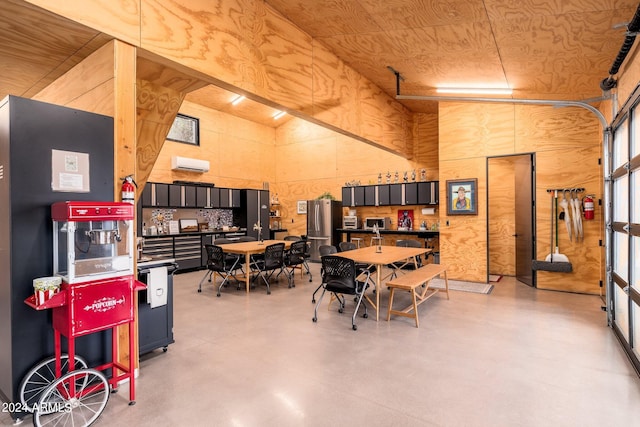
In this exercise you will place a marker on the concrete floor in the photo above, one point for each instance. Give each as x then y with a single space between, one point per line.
516 357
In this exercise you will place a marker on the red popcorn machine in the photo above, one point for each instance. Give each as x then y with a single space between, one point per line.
94 251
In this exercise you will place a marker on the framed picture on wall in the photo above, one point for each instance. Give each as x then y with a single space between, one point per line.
185 129
462 197
302 206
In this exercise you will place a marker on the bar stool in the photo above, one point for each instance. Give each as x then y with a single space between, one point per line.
357 241
377 241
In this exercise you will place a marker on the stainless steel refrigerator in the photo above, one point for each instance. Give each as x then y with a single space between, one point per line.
323 217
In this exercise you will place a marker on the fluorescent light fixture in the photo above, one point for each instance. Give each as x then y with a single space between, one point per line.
279 114
237 100
475 90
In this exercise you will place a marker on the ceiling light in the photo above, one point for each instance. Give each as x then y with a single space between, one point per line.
279 114
237 100
475 90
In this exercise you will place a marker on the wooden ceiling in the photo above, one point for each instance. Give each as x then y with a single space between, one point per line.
549 49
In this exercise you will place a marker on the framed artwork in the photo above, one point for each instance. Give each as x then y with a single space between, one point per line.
462 197
405 219
302 206
185 129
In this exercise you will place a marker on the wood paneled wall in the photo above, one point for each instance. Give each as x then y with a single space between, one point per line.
501 216
567 143
246 45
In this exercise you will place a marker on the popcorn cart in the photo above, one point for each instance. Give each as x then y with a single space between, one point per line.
94 252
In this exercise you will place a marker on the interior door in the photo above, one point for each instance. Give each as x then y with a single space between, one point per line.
524 215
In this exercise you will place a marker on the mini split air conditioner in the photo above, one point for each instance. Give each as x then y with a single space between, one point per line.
189 165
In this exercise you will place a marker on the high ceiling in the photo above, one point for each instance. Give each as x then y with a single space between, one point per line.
545 49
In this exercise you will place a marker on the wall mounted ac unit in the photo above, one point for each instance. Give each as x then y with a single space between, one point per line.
189 165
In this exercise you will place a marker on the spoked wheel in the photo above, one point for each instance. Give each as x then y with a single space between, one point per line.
41 376
75 399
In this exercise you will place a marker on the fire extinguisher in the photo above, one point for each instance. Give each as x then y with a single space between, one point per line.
129 190
588 207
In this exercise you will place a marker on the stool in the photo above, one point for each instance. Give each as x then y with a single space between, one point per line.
357 241
377 241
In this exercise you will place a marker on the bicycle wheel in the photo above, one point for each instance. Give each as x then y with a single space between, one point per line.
41 376
75 399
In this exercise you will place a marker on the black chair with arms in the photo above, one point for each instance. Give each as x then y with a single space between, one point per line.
273 260
324 251
230 257
408 264
294 258
349 246
340 278
217 262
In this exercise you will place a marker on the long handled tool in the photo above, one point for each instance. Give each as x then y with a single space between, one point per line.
555 261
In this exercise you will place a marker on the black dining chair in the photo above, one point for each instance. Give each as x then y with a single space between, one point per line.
324 251
228 256
272 260
349 246
339 276
294 258
217 262
409 263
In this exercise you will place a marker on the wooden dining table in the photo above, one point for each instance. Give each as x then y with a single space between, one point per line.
388 255
248 249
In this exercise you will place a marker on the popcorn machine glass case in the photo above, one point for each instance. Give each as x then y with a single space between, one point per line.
92 240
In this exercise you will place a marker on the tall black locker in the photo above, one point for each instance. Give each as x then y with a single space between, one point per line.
29 131
254 207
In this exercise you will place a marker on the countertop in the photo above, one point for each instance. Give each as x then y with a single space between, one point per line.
408 232
196 233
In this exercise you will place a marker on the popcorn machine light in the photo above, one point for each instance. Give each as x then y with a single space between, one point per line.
93 253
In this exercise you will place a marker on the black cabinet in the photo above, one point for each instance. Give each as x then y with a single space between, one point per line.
384 195
146 197
255 207
175 195
215 197
190 200
347 196
230 198
155 325
395 194
358 196
188 252
201 197
162 195
428 193
370 195
411 193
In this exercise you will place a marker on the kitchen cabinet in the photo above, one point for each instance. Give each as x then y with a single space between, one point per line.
347 196
255 207
146 197
410 193
428 193
175 195
383 195
230 198
401 194
162 195
395 194
202 197
370 195
358 196
188 252
189 196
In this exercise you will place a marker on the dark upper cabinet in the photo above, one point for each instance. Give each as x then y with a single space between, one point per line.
146 197
162 195
215 197
347 199
175 195
358 196
383 195
411 193
201 197
190 196
370 195
225 201
395 194
235 198
428 193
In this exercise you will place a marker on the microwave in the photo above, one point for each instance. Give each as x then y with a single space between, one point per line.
350 222
382 223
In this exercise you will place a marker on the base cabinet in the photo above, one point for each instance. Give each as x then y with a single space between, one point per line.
155 325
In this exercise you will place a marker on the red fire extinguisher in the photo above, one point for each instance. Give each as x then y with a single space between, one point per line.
129 190
588 207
